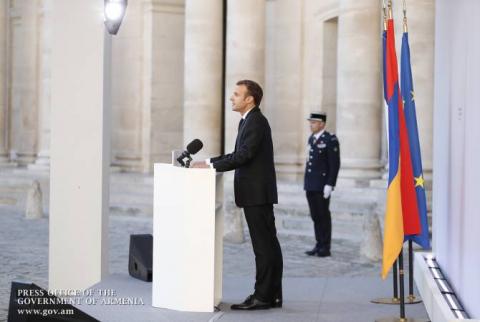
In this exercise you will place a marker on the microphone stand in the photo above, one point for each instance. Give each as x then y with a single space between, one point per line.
185 164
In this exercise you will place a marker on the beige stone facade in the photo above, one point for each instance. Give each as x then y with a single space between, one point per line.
169 80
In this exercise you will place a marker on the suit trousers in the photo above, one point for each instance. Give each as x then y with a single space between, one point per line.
322 220
268 254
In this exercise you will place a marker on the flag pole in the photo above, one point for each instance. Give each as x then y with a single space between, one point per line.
412 299
402 317
394 299
402 292
410 270
390 12
399 260
395 283
384 16
389 300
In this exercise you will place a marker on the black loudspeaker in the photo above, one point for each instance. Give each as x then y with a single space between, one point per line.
140 257
31 303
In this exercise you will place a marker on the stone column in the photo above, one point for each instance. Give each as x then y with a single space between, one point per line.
3 81
359 88
283 92
44 45
23 94
203 75
128 86
421 26
245 60
245 55
162 54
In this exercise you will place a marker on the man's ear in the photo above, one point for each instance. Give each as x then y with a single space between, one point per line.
249 99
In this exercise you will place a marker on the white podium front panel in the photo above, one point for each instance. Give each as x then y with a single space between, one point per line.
184 239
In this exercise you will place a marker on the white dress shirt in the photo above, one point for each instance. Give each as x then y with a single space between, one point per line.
318 134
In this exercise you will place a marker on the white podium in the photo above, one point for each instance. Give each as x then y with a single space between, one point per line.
187 240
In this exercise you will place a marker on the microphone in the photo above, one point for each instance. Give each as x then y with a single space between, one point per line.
192 148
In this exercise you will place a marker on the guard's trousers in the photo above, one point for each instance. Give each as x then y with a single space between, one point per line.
322 220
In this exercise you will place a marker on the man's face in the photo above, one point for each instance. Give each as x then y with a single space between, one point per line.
316 126
241 102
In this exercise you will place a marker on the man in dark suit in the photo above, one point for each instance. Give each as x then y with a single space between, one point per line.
255 189
321 173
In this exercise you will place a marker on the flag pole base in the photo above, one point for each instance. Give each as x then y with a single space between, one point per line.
396 319
412 299
396 300
386 300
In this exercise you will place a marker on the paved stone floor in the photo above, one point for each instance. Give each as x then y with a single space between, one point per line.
24 243
24 253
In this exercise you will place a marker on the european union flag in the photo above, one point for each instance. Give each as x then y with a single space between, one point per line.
408 94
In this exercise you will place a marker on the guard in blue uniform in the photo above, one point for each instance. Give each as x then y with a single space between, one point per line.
321 171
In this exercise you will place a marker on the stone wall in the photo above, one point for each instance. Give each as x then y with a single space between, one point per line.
309 55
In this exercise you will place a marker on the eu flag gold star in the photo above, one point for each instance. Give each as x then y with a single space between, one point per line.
413 95
419 181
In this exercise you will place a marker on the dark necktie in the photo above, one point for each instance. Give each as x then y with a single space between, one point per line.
242 120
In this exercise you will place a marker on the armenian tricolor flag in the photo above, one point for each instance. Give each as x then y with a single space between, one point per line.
401 213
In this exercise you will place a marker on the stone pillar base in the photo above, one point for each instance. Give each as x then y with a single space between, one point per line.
360 168
25 160
289 172
289 167
358 173
371 246
41 163
233 223
133 164
34 206
4 161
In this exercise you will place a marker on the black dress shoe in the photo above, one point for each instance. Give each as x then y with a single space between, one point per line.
312 252
323 253
251 303
276 303
248 300
277 297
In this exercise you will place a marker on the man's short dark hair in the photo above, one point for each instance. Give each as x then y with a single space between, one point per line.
253 89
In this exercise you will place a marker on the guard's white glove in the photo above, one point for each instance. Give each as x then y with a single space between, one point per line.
327 191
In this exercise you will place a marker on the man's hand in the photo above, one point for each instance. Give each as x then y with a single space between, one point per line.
199 164
327 191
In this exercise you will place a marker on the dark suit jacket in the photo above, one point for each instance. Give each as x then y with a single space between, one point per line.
255 181
323 162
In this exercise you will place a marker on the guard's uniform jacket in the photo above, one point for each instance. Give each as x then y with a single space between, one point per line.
323 162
